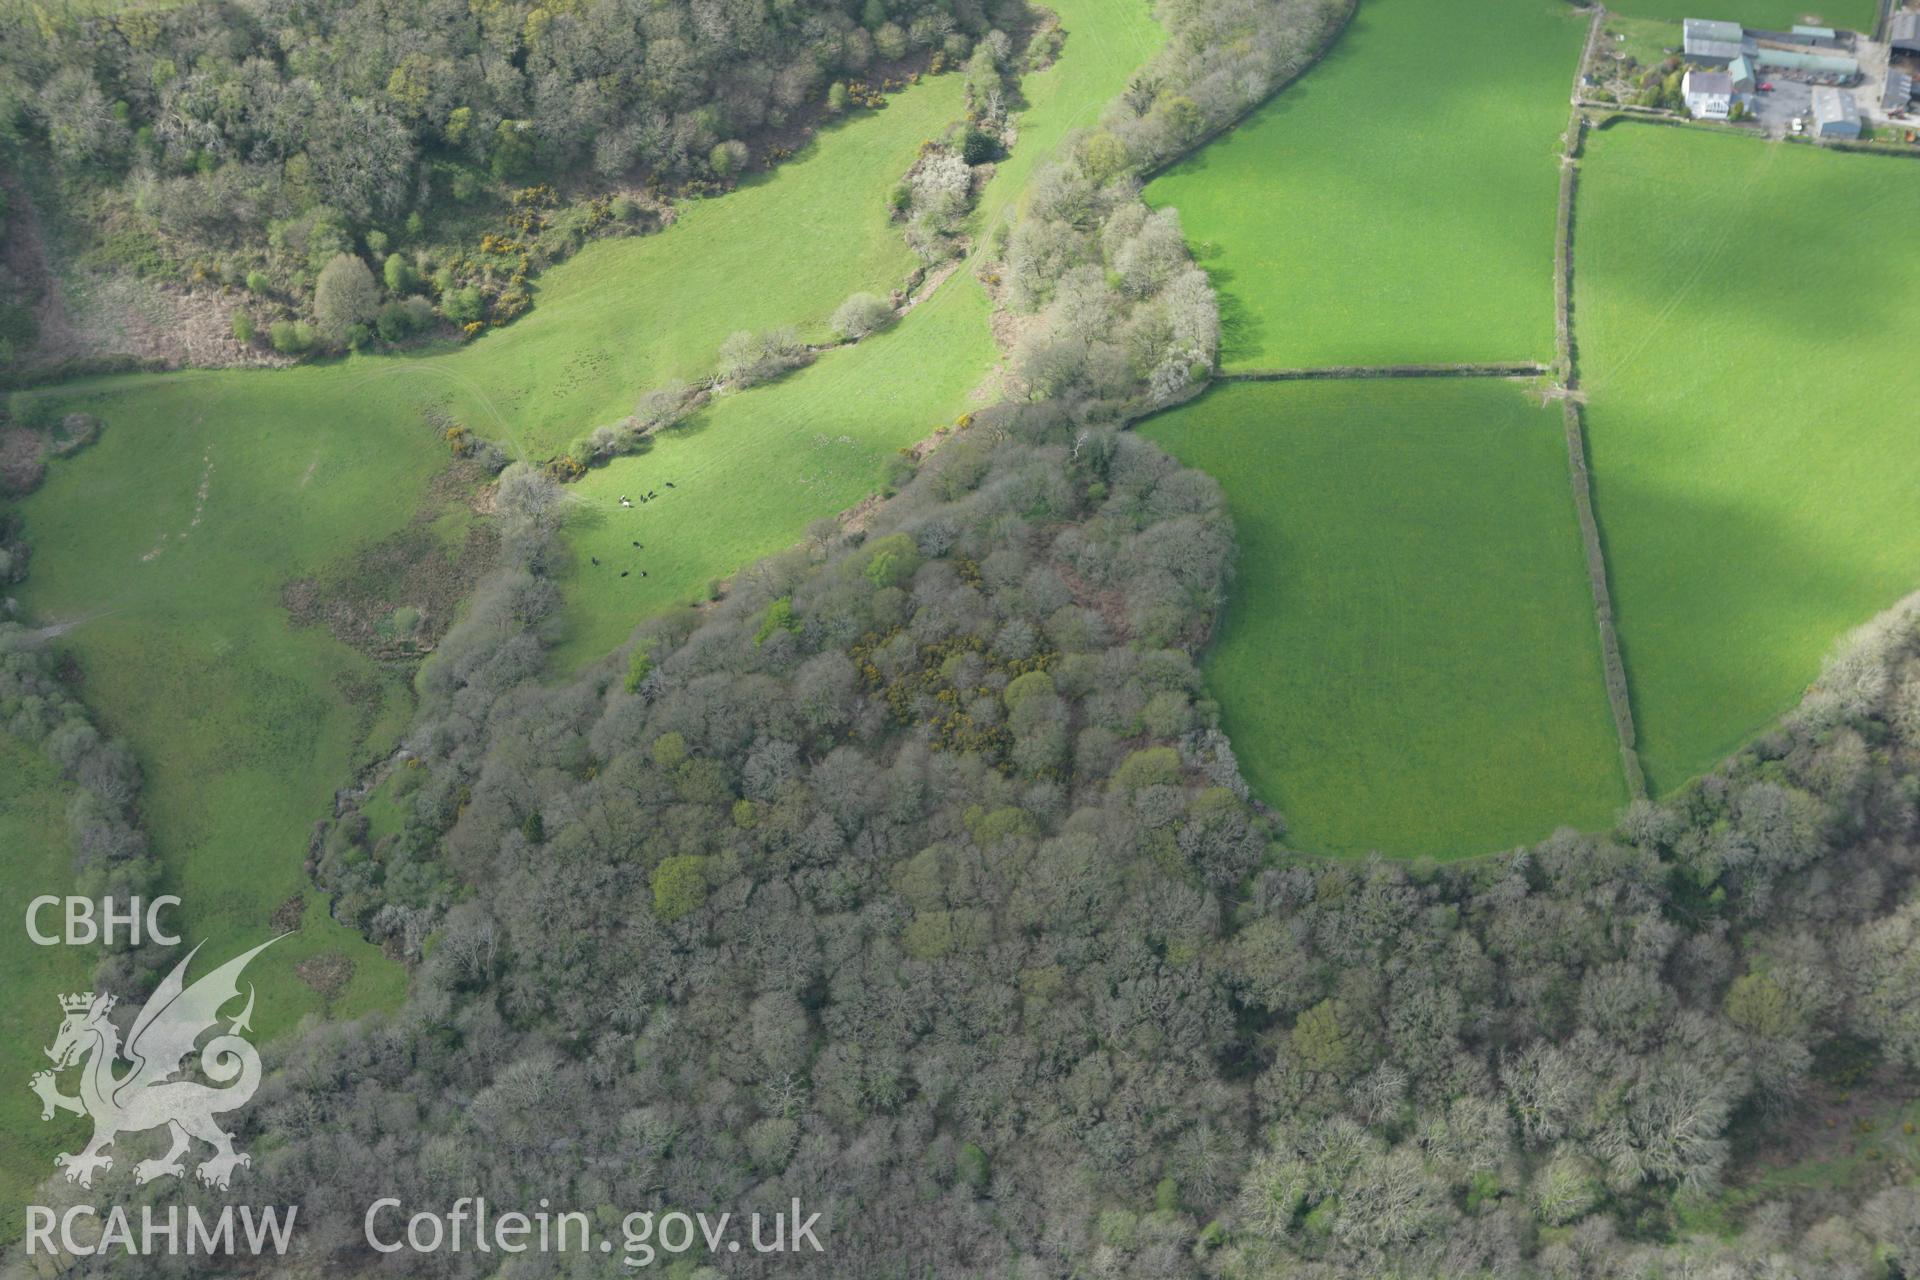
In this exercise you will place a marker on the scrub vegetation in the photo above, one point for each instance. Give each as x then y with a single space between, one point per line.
633 315
181 546
245 152
751 471
920 868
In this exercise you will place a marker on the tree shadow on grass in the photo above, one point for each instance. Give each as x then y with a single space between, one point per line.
1242 332
1287 99
586 517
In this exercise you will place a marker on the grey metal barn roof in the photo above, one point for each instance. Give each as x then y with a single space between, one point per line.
1713 41
1899 91
1709 29
1834 106
1903 31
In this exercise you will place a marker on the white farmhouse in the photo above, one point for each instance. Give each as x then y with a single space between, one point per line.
1709 94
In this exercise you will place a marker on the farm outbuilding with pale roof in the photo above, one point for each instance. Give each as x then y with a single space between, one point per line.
1835 113
1712 43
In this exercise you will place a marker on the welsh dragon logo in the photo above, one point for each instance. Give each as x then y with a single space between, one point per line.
146 1096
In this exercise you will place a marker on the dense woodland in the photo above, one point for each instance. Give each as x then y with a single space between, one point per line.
252 143
916 879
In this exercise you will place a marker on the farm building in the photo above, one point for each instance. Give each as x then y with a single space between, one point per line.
1832 65
1741 73
1709 94
1835 113
1899 92
1710 43
1825 37
1903 32
1801 37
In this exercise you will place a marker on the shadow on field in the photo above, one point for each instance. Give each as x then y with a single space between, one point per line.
1242 332
1282 103
1707 618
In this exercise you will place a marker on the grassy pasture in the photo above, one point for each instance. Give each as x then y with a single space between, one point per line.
1772 15
36 856
1106 42
168 543
1396 205
752 470
1743 322
624 316
237 482
245 725
1409 662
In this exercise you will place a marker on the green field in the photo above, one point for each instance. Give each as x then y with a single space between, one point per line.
170 541
1744 331
752 470
35 852
243 725
1774 15
1409 662
1396 205
625 316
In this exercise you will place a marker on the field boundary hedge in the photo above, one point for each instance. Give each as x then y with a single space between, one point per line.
1518 369
1331 39
77 367
1567 367
1618 696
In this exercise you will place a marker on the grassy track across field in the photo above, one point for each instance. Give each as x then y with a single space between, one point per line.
1409 662
1396 205
168 543
1744 323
